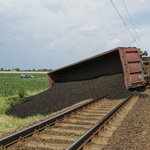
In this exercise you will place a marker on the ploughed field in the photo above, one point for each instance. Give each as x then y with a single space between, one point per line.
62 95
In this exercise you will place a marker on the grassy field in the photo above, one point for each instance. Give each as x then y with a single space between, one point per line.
23 72
10 84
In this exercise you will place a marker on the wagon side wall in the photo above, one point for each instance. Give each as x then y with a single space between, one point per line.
104 65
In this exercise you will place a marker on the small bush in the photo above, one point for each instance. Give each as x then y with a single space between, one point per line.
22 93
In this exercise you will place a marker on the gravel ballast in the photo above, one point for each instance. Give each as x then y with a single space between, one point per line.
63 95
134 131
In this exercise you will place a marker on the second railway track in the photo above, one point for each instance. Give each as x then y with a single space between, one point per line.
88 126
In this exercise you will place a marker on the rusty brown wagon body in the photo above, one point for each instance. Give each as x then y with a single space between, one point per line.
127 60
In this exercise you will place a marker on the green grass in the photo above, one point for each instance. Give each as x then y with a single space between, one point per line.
10 84
4 105
9 123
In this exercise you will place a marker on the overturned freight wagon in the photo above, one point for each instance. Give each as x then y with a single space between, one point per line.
119 60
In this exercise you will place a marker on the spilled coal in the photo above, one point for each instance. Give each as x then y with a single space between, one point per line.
63 95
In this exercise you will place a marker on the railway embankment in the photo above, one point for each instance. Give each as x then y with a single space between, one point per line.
134 133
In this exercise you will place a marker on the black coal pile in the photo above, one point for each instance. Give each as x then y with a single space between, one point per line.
63 95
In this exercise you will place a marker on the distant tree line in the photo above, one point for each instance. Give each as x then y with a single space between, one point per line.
2 69
39 70
18 69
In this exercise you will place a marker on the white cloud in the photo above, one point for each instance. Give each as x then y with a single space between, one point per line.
114 41
43 36
143 1
56 42
9 16
55 6
89 29
7 40
19 39
72 26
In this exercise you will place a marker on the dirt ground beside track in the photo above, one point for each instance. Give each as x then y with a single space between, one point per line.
134 131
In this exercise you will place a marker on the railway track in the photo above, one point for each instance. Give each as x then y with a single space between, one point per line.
88 126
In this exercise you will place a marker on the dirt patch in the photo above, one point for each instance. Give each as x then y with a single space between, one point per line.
134 133
63 95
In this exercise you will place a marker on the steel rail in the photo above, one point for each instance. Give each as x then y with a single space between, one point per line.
11 139
90 132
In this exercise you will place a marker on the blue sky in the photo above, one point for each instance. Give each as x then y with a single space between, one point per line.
50 34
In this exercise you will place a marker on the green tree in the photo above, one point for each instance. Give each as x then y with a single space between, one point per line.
50 70
2 69
44 69
17 69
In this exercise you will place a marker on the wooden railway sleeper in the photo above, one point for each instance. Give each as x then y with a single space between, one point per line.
108 126
57 124
102 134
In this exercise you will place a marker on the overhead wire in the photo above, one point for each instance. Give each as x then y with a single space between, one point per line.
132 23
124 23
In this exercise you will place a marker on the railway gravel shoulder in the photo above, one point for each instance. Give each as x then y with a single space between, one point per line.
134 133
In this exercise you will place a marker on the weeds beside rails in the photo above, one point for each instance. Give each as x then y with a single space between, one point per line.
20 98
7 102
10 123
14 90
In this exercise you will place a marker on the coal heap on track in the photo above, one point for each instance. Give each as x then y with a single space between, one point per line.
63 95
